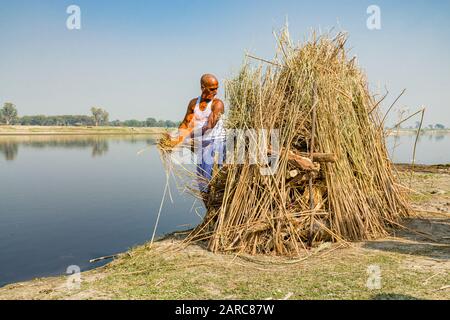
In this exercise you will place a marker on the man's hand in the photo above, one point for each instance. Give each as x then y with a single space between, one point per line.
168 143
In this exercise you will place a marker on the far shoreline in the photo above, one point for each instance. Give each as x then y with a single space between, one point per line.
17 130
402 132
78 130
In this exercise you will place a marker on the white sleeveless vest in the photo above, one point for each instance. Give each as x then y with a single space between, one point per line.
201 119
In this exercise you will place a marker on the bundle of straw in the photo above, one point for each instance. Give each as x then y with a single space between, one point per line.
319 101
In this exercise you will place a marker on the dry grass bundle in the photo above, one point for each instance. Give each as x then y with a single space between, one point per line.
319 101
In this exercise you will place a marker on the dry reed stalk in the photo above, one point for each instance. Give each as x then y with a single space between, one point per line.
356 197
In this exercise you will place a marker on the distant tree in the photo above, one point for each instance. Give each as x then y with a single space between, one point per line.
133 123
417 124
25 120
60 120
169 124
430 126
99 116
8 113
439 126
96 115
38 120
115 123
150 122
105 117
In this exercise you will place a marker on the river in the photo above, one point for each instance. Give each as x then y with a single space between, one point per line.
65 200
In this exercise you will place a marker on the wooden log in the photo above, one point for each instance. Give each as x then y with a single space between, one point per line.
302 162
303 158
301 178
321 157
292 173
104 258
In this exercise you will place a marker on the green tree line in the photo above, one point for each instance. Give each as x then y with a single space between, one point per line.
99 117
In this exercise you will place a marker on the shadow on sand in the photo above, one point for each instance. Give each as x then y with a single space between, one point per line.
424 237
393 296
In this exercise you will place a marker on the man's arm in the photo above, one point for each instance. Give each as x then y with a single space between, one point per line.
217 109
185 129
189 115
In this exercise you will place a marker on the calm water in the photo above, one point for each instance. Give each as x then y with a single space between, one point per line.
431 148
68 199
65 200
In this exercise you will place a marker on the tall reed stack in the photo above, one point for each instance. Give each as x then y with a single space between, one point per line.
334 180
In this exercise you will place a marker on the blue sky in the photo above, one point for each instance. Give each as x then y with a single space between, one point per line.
140 59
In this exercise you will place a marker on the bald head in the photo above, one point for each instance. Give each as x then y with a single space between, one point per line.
208 79
209 85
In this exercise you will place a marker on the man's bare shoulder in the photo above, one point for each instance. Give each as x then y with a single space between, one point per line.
217 103
192 104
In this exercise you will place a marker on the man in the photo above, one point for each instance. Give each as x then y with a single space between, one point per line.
204 125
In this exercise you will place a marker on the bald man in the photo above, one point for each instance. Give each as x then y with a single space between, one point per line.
203 112
203 123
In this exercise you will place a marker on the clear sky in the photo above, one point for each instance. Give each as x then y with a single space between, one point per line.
140 59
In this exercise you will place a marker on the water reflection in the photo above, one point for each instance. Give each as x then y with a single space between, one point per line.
430 148
99 148
9 149
99 144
